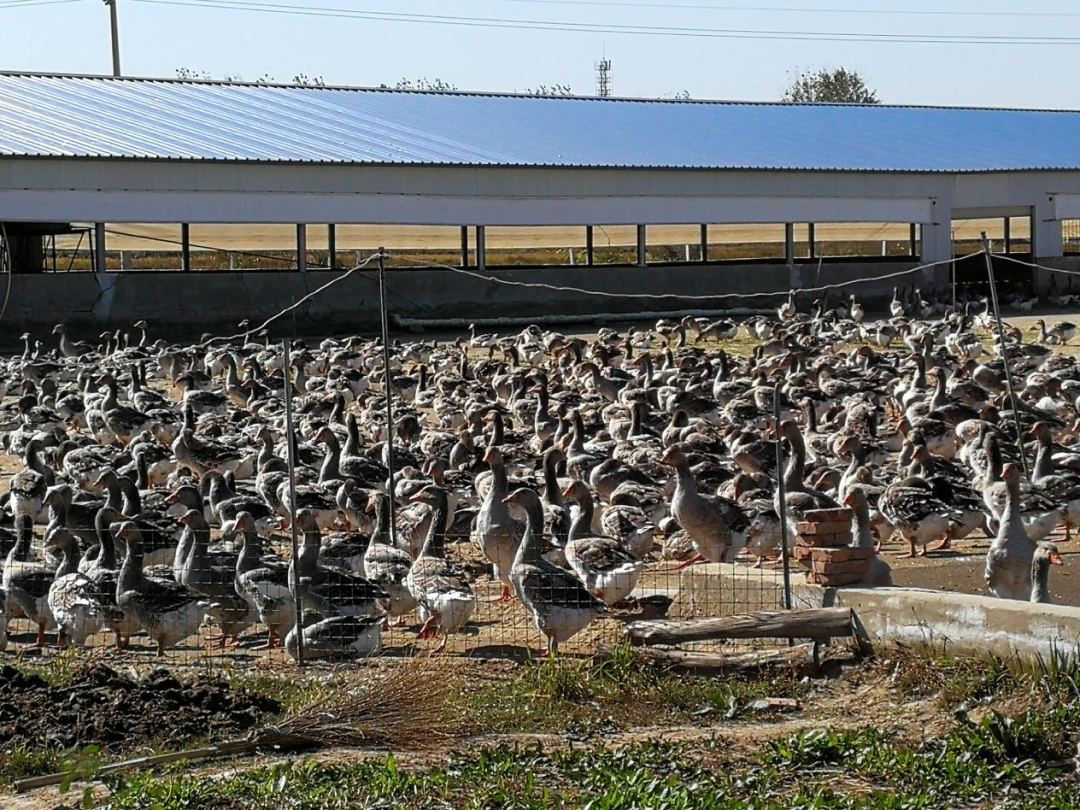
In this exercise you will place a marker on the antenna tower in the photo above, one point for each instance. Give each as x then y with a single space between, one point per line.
603 78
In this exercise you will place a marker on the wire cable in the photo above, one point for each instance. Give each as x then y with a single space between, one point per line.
25 3
800 9
676 296
252 254
7 265
293 306
1060 270
638 30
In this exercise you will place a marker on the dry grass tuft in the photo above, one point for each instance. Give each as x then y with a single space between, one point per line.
404 708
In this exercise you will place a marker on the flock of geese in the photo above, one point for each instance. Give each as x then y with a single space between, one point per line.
153 494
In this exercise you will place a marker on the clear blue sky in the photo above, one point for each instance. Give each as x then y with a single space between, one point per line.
158 39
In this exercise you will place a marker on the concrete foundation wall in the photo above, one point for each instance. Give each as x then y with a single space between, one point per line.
942 621
955 623
212 300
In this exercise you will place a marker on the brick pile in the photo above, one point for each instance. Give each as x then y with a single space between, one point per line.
824 548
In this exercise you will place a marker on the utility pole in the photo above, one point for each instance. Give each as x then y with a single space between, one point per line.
115 37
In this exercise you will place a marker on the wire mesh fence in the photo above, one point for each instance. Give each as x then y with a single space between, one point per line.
149 503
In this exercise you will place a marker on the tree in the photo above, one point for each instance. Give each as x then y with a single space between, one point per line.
841 86
550 90
423 83
188 74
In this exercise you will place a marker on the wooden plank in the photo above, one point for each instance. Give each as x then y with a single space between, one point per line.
815 623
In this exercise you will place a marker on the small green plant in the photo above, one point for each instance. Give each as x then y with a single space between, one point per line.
82 766
21 762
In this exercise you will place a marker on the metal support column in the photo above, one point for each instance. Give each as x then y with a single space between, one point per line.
331 246
481 247
704 243
1008 235
913 241
99 247
185 247
301 247
589 257
811 235
464 245
115 25
642 254
789 242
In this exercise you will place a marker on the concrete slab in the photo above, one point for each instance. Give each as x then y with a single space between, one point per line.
723 589
944 621
954 623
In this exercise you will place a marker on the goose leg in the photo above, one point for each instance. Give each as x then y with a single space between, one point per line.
911 555
507 595
697 558
271 641
161 648
61 640
945 542
428 630
442 647
41 635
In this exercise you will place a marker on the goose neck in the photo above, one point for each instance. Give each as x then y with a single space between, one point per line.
551 482
582 523
529 550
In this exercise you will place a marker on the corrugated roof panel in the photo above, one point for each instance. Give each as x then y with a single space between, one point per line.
42 115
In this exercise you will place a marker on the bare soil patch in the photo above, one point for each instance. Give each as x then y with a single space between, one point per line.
100 706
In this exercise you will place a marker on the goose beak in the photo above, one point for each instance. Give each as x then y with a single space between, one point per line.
509 499
1055 558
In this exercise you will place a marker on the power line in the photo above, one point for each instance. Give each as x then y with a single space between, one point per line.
800 9
10 4
640 30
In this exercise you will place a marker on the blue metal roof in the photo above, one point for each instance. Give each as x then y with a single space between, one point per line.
103 117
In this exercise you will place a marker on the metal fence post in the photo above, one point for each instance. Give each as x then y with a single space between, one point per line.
389 396
291 444
1004 353
781 490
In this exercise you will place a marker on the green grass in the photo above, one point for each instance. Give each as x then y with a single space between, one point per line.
1012 734
620 692
855 769
20 762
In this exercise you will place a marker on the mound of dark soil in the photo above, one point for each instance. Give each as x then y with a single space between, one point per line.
102 707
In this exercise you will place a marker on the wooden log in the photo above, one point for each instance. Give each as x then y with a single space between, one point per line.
225 749
713 662
814 623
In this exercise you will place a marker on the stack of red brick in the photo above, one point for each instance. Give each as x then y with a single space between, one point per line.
824 549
